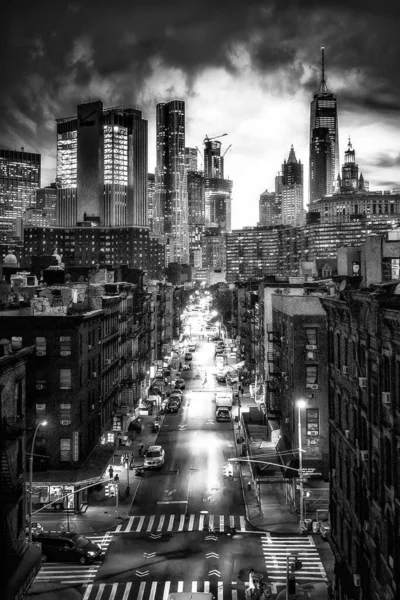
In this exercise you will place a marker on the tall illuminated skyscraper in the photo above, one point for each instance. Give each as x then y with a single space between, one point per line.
170 198
324 161
102 167
19 180
292 191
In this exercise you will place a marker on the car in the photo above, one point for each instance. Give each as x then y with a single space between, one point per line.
221 378
172 405
67 547
188 356
177 392
154 457
185 367
176 397
180 384
223 415
192 347
231 378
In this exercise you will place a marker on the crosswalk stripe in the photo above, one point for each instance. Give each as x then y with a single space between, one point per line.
181 523
166 590
211 522
151 522
180 586
100 591
161 523
113 591
220 590
171 522
207 587
221 523
194 586
127 590
191 521
242 524
142 587
153 590
201 523
140 524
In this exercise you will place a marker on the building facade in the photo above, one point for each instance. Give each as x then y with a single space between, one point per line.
292 208
102 167
171 202
20 174
270 209
324 156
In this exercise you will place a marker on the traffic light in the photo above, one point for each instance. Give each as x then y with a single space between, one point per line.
107 490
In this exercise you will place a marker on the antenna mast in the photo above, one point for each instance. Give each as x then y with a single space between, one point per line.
323 87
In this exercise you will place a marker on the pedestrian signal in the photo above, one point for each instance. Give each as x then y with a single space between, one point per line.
107 490
112 491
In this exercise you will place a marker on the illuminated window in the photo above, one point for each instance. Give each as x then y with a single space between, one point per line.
65 379
65 449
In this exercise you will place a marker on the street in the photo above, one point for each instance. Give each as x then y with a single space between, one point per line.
186 528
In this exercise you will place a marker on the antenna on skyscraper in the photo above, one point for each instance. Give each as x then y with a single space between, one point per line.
323 88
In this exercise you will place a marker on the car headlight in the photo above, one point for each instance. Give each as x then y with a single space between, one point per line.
92 553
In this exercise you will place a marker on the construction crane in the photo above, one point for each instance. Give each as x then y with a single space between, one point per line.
230 146
201 156
208 139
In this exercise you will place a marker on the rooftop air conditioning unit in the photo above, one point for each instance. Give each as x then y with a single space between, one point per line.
311 347
356 579
345 370
386 397
364 455
362 382
94 374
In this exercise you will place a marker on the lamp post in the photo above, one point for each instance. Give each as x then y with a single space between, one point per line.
42 423
300 405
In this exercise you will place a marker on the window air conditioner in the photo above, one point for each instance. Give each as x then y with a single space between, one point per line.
40 353
311 347
347 433
386 397
283 339
65 422
364 455
312 386
356 579
40 386
287 420
94 374
345 370
108 361
65 353
362 382
313 433
366 525
89 346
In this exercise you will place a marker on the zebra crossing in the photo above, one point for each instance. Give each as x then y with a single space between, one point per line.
73 573
277 548
154 590
176 523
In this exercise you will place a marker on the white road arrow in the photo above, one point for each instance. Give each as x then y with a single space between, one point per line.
215 572
211 537
212 555
155 536
142 573
149 555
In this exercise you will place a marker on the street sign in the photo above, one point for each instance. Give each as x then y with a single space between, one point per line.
273 480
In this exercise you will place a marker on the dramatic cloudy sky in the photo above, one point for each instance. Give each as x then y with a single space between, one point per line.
248 68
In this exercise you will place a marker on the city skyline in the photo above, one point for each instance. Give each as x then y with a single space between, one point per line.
250 72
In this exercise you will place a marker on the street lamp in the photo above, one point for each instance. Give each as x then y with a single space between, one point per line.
300 405
42 423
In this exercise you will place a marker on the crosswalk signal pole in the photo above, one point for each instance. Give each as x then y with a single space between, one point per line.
116 498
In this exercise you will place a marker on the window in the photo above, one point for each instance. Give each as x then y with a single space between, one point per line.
311 375
65 449
312 421
65 345
41 413
311 336
41 346
16 343
65 379
65 414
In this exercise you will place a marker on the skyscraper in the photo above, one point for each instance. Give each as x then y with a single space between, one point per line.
19 180
324 162
270 209
151 186
102 167
350 180
292 191
171 203
213 161
191 159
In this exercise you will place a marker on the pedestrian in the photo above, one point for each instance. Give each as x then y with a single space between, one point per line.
140 448
190 365
252 586
111 472
116 478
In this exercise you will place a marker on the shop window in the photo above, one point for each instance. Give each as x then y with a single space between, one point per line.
312 421
65 449
41 346
65 345
65 379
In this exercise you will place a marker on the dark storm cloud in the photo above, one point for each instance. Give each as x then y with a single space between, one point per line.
387 161
55 55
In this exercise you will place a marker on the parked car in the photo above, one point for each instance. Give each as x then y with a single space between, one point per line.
172 405
177 392
154 457
67 547
188 356
221 378
192 347
180 384
176 397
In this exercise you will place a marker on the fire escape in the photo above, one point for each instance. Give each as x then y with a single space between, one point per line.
274 381
12 485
